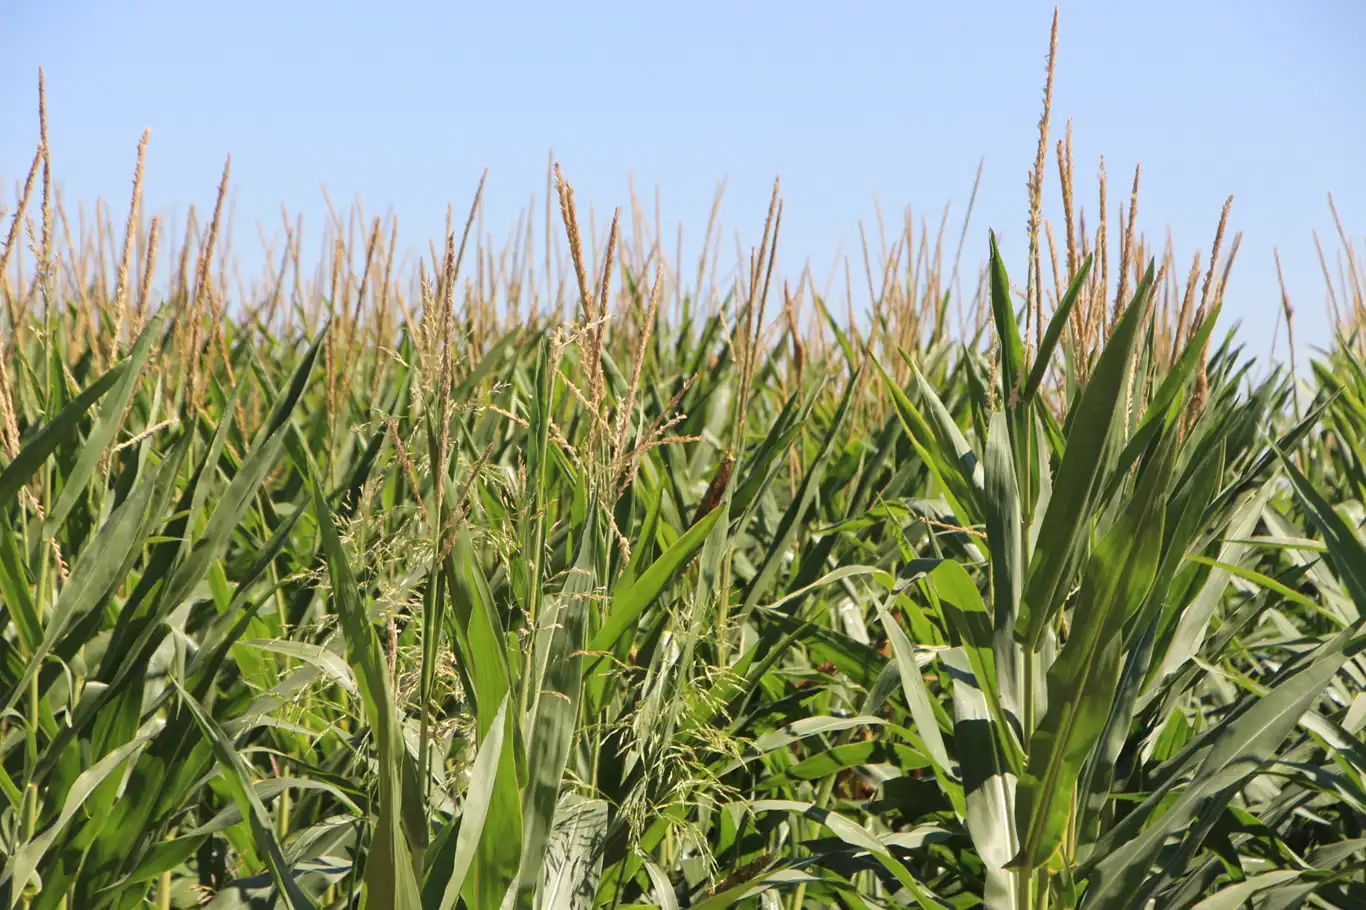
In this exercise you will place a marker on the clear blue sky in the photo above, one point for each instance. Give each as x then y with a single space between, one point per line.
405 103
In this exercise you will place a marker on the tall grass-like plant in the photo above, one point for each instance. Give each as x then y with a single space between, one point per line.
598 586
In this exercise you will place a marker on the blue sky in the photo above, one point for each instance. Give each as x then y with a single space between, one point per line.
405 103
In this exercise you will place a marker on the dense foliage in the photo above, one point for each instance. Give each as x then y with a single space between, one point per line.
624 590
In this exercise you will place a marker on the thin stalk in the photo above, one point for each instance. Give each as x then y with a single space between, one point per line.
1041 891
30 829
424 735
1024 891
1025 879
164 891
282 817
31 734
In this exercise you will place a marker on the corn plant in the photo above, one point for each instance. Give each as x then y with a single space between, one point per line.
615 589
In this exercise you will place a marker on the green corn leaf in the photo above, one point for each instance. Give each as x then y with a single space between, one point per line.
479 641
555 709
57 431
390 879
1344 547
101 566
1009 345
1227 756
237 776
1006 543
25 859
944 466
489 764
1083 680
855 835
108 423
796 511
989 784
1096 422
663 891
1053 334
629 603
918 699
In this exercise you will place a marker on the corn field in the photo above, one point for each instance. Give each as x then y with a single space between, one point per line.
617 583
